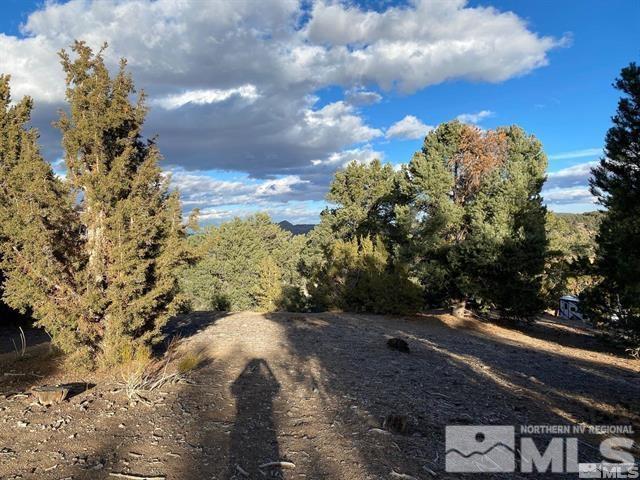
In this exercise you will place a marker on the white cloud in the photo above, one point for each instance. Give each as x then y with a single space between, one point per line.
409 128
581 171
295 212
424 43
234 81
338 118
568 189
571 176
474 118
279 186
183 44
342 159
201 188
204 97
579 194
587 152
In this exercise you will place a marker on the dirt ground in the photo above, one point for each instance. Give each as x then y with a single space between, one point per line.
312 390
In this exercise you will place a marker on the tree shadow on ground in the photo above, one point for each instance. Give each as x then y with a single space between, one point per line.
451 377
11 342
186 325
236 412
567 333
18 374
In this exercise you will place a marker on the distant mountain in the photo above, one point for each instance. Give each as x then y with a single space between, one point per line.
296 229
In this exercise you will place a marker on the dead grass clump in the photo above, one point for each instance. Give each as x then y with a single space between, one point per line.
23 344
190 361
139 378
142 375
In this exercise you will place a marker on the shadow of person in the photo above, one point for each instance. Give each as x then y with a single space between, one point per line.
254 437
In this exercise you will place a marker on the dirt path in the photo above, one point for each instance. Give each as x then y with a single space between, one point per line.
312 390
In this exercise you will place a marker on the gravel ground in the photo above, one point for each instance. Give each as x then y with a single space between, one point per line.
311 391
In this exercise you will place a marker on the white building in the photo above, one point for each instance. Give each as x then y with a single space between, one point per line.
570 308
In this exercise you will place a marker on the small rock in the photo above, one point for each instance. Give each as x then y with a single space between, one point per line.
398 344
48 395
396 423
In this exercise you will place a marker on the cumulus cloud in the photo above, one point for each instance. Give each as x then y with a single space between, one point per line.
293 211
581 194
204 97
409 128
221 200
336 118
202 188
234 84
474 118
569 186
342 159
427 42
571 176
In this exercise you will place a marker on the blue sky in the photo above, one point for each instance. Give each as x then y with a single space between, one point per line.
261 121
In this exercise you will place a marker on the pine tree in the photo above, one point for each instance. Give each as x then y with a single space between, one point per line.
357 277
357 191
479 229
616 185
104 275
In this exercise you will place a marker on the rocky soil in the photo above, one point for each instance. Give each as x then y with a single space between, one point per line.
304 396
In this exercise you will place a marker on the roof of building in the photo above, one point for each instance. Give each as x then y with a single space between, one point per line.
570 298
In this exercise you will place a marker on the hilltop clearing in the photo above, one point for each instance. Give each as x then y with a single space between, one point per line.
312 390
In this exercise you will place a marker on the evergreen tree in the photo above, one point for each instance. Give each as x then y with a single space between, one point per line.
244 264
616 185
270 288
358 277
479 226
357 191
101 258
359 236
572 245
39 228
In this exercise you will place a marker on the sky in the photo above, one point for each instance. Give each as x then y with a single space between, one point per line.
257 103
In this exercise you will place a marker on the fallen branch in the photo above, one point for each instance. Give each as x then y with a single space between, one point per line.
429 471
278 464
136 477
402 476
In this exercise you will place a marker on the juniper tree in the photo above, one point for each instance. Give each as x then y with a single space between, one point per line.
616 185
104 261
357 276
39 227
244 264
